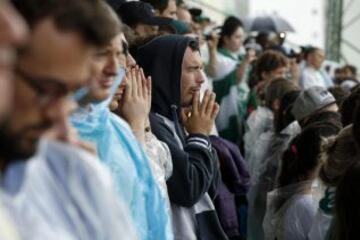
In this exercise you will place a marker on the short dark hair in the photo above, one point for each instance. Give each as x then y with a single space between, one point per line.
231 24
349 106
310 50
92 19
181 4
339 94
269 61
160 5
135 42
352 69
194 45
338 70
262 38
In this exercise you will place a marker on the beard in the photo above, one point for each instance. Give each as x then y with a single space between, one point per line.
14 147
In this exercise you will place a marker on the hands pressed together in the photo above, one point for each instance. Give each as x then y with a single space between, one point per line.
136 103
200 118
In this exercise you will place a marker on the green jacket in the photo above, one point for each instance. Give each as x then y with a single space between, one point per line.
233 98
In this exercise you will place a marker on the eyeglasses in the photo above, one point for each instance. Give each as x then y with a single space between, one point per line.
48 90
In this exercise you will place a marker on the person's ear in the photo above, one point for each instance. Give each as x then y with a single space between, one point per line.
276 105
264 75
157 12
310 57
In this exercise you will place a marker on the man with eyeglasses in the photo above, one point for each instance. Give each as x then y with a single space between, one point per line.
52 189
13 33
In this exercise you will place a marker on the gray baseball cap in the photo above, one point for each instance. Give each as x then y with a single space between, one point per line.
310 101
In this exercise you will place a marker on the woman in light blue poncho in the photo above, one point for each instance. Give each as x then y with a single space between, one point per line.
119 150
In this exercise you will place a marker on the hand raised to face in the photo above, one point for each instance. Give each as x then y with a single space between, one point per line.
200 118
135 104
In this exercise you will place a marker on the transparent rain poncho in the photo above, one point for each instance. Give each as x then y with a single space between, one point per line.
8 230
119 150
259 122
271 147
64 193
290 211
160 162
324 215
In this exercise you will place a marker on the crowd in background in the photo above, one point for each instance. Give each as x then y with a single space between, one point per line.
147 120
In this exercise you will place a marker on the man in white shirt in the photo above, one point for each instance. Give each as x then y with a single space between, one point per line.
54 190
312 74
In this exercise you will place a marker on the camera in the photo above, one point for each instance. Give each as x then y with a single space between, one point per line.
208 35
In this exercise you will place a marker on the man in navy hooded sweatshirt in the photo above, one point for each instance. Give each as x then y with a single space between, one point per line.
179 119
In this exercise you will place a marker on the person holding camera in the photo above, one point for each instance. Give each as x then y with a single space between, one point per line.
230 83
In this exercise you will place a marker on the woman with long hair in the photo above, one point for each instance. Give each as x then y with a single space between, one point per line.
292 206
338 154
267 154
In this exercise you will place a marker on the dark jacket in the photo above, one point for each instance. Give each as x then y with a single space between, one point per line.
233 166
196 172
235 184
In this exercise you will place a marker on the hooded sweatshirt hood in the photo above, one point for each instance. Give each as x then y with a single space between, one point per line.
162 60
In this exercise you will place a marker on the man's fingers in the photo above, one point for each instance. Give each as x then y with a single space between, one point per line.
196 103
128 87
134 82
149 85
205 101
140 83
183 115
145 87
215 111
142 73
210 104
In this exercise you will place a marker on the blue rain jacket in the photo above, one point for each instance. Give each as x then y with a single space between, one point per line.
119 150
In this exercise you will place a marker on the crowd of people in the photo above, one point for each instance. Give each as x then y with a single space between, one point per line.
146 120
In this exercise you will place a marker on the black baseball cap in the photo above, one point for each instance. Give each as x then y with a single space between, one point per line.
135 12
115 4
